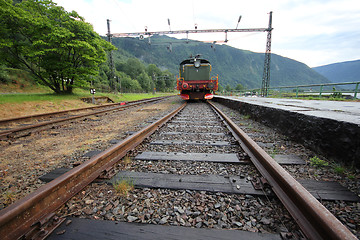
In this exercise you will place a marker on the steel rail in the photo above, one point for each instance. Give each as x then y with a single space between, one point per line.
312 217
2 121
22 217
7 120
7 133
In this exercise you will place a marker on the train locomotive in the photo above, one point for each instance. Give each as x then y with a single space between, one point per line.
194 80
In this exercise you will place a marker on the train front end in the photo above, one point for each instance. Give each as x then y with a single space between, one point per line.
194 81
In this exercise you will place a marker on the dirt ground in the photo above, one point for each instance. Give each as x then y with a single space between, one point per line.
25 159
11 110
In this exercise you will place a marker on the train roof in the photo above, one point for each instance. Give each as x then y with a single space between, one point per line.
192 60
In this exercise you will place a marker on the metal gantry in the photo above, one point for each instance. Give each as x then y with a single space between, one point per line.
147 33
266 74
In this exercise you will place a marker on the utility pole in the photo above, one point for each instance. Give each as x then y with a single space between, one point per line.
112 66
153 83
266 74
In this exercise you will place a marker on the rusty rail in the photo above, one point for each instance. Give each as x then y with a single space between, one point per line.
7 120
312 217
27 215
8 133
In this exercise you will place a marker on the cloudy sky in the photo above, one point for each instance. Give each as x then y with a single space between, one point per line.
315 32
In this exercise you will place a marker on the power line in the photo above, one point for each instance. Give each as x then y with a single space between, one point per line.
146 33
266 73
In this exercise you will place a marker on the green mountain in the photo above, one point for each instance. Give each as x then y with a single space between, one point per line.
341 72
234 66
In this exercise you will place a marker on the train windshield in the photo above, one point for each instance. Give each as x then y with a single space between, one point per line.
191 73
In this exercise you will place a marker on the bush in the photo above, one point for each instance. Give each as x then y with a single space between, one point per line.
4 75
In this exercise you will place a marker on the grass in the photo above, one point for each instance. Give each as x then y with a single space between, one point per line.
336 168
126 161
274 152
317 162
19 81
339 169
343 171
79 93
20 104
34 97
133 96
20 98
123 186
9 197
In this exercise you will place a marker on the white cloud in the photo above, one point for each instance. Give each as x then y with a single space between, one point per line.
315 32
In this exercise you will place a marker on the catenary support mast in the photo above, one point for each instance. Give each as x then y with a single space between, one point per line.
112 66
266 74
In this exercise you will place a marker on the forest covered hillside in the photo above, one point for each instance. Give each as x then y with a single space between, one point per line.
341 72
234 66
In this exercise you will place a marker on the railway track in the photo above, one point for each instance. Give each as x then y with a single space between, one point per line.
14 127
192 135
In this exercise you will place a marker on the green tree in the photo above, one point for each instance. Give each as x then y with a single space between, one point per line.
153 69
239 87
129 85
120 66
133 67
228 88
169 80
160 84
59 48
145 81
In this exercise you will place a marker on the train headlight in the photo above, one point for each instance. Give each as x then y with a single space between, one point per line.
197 63
185 86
